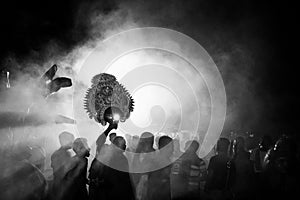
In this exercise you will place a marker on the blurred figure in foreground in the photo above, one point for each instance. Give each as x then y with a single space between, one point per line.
282 169
59 160
145 154
257 157
77 171
116 177
244 184
159 184
96 171
105 181
221 172
189 174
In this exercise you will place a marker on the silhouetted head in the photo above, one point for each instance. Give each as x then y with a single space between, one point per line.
222 145
81 147
147 138
192 146
120 142
146 142
165 145
163 141
66 139
112 136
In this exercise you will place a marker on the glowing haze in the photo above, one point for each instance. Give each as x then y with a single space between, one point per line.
175 84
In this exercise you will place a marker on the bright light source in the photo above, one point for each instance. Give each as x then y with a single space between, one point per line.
116 117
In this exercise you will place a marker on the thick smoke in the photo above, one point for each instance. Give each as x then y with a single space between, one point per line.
227 34
38 34
226 30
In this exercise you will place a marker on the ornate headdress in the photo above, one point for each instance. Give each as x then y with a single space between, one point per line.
106 92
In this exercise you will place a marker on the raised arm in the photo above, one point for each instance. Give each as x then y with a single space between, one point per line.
102 137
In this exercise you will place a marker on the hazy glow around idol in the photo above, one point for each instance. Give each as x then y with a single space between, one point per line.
172 79
163 86
146 98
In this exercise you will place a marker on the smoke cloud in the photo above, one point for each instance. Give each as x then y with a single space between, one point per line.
228 31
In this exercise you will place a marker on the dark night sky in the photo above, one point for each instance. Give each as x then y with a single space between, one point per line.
264 28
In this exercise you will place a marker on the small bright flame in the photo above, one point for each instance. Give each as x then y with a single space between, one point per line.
116 117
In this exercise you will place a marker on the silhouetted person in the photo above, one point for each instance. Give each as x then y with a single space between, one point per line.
145 146
77 171
282 170
146 142
145 154
240 149
117 183
221 172
107 182
188 174
59 160
244 183
159 184
257 157
259 153
96 171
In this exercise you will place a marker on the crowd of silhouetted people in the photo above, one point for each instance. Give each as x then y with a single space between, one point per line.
132 168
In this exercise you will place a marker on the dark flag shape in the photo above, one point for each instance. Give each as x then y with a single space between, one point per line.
58 83
52 84
50 73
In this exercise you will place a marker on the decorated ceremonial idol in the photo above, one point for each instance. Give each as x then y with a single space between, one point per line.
107 101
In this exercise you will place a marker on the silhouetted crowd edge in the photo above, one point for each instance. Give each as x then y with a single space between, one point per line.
134 169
